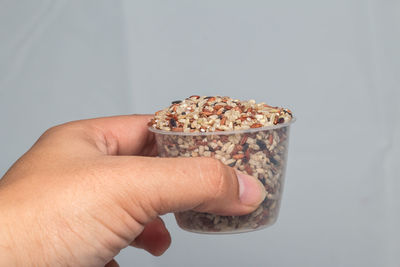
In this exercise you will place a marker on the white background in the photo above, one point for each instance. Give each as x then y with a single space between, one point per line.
334 63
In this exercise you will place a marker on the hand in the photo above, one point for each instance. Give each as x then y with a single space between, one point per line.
88 189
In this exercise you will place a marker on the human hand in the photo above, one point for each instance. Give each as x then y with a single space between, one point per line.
88 189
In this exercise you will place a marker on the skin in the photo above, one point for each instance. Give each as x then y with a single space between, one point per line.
87 189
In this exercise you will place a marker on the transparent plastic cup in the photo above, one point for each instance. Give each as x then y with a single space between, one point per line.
260 152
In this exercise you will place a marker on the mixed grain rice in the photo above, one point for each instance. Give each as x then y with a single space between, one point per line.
211 114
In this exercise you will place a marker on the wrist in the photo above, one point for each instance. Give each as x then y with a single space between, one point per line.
7 253
14 241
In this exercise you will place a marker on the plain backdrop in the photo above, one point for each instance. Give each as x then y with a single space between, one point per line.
334 63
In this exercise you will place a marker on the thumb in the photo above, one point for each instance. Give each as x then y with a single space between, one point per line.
162 185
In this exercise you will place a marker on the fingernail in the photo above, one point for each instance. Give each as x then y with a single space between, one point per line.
251 191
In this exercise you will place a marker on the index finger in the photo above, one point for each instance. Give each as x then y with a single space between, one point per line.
122 135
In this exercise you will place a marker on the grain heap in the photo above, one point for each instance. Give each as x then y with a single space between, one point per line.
210 114
250 137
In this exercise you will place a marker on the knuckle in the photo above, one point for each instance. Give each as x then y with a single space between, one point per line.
52 131
63 129
58 132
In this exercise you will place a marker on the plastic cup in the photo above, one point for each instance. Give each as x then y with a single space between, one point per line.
260 152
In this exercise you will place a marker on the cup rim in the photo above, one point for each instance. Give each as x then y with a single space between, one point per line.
251 130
